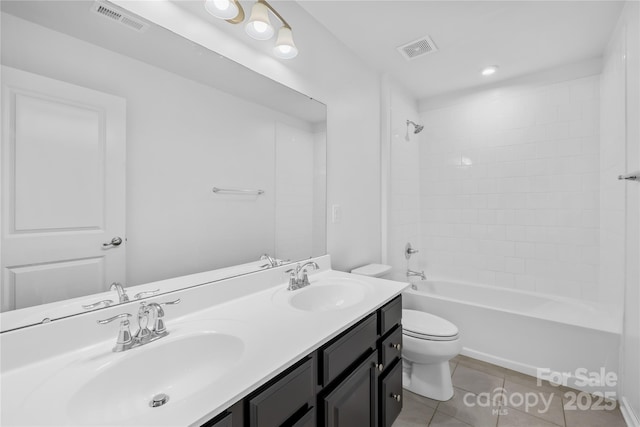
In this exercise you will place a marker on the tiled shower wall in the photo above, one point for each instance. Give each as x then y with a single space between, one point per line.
509 182
404 182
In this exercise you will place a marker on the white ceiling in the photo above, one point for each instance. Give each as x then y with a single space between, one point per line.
521 37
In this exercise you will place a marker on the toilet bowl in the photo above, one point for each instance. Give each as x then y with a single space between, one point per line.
429 342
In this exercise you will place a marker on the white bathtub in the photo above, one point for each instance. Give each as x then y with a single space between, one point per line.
524 331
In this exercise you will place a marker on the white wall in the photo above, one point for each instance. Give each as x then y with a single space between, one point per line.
404 179
329 72
183 138
509 184
621 213
295 168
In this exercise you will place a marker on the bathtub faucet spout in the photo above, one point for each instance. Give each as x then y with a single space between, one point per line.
419 274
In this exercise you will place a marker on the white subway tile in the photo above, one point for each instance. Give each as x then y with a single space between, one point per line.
546 114
495 232
508 189
506 217
570 112
506 280
514 265
560 130
548 251
487 277
515 233
537 167
525 283
584 89
525 250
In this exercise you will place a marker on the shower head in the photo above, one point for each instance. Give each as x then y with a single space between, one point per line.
416 128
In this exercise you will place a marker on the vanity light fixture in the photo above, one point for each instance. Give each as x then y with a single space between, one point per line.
230 10
487 71
259 25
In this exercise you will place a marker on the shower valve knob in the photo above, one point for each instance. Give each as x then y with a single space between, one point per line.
408 251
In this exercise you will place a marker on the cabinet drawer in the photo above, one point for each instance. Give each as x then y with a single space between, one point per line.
337 356
275 405
390 315
391 347
391 395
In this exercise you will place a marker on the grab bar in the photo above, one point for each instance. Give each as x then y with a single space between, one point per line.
239 191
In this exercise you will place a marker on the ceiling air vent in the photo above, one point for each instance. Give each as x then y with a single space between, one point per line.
114 14
417 48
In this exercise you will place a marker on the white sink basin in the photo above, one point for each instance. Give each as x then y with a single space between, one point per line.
327 298
122 389
323 296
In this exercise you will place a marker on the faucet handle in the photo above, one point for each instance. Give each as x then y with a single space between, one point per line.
125 340
144 294
158 323
293 279
106 303
305 278
111 319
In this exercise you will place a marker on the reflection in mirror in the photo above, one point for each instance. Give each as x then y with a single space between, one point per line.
115 133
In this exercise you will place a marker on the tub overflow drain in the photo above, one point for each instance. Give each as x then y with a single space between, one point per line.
159 400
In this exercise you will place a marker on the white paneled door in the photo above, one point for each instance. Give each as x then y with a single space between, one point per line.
63 190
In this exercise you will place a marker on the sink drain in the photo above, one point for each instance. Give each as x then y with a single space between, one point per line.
159 400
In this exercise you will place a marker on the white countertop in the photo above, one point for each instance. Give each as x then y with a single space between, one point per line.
274 336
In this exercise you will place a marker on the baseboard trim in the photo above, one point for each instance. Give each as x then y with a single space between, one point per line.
630 417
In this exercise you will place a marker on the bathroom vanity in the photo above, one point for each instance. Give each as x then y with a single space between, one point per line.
241 352
353 380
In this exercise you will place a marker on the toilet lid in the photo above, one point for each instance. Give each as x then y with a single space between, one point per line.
372 270
423 325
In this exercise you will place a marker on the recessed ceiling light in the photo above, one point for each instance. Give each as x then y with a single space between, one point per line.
489 70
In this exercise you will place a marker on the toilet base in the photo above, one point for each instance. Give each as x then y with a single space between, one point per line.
428 380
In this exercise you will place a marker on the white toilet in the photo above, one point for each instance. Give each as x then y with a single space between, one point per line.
429 342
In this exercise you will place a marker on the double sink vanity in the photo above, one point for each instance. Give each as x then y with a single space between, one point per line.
241 352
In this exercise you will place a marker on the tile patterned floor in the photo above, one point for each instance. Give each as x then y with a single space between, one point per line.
474 383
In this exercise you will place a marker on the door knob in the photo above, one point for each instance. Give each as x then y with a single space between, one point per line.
116 241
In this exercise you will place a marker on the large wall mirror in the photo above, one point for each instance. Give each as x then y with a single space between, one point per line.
133 155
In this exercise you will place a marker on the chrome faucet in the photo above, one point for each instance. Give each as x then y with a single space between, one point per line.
273 262
298 277
419 274
144 334
122 294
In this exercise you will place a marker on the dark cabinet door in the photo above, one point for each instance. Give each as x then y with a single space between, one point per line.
391 395
353 402
307 420
280 401
220 421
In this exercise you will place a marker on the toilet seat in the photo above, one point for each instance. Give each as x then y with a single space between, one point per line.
425 326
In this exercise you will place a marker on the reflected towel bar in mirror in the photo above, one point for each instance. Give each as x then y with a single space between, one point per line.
238 191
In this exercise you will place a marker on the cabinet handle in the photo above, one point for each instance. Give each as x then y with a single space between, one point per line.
396 346
378 366
396 397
